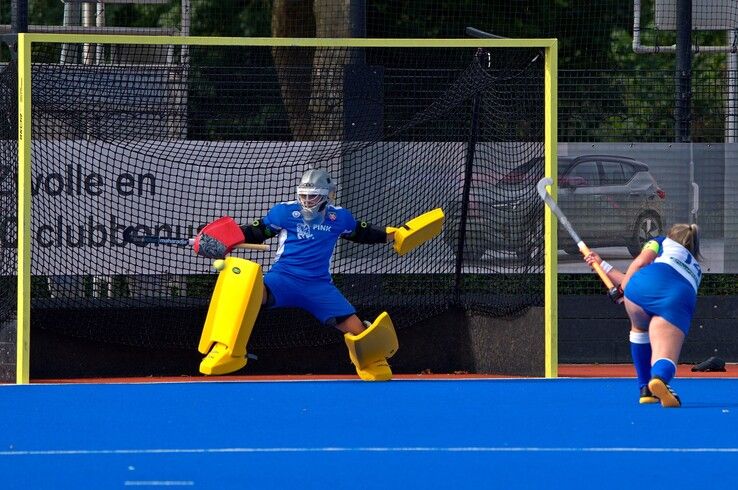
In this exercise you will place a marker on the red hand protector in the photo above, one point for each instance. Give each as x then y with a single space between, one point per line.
224 231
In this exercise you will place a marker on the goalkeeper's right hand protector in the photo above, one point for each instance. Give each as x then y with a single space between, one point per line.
210 247
218 238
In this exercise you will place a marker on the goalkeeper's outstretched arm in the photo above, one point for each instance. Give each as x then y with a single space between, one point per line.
367 233
257 232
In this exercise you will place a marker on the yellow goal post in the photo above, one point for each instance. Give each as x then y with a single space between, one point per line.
26 42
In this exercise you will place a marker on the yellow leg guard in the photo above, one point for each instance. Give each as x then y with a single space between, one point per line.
231 316
370 349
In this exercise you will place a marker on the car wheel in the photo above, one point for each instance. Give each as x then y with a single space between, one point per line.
647 226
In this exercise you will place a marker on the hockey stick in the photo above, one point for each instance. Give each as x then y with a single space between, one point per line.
130 236
612 291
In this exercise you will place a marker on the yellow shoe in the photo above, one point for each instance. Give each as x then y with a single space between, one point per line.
669 399
377 371
219 361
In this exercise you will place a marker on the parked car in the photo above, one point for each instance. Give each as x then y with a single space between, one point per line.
610 201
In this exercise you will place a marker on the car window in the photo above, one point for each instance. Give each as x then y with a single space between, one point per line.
613 173
585 174
524 174
628 170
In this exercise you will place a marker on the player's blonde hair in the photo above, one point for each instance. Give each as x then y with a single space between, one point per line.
687 236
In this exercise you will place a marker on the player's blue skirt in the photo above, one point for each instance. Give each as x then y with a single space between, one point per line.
662 291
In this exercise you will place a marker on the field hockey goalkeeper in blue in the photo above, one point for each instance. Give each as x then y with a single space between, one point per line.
307 230
660 294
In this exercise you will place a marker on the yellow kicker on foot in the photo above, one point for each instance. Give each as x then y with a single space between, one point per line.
232 313
370 349
219 361
378 371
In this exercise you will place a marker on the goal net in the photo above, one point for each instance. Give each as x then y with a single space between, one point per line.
165 135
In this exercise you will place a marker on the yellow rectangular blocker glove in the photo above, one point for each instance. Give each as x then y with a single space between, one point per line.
417 231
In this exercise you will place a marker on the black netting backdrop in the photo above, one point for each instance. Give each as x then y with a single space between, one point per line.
603 79
612 99
168 147
8 193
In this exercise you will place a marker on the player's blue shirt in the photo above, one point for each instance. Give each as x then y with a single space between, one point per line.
679 258
305 250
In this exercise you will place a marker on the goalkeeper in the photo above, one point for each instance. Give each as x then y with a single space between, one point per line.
660 291
307 230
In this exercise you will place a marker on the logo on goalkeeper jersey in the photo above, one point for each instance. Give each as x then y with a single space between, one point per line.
303 232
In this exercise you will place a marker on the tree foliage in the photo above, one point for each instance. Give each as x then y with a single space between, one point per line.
618 92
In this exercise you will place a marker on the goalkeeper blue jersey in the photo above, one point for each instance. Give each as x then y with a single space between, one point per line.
305 250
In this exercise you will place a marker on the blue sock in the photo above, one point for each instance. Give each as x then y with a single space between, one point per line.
664 369
640 350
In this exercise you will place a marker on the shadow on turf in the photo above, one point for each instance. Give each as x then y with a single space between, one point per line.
707 405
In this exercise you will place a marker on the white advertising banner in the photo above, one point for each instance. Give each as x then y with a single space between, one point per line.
80 209
173 188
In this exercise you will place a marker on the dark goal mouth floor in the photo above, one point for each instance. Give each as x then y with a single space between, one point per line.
565 371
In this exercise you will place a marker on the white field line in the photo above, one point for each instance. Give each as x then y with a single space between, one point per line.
370 449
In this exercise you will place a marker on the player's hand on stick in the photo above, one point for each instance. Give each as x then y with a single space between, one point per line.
592 257
616 295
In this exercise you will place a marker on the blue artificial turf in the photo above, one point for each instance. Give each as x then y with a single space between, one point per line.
483 433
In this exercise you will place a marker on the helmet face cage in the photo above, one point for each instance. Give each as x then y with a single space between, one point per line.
311 199
311 203
316 189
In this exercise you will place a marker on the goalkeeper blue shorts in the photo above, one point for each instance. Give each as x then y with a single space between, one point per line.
320 297
662 291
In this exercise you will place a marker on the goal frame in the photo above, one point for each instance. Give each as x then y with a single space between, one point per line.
25 136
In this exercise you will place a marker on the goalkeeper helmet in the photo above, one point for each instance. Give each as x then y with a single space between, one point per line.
315 191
